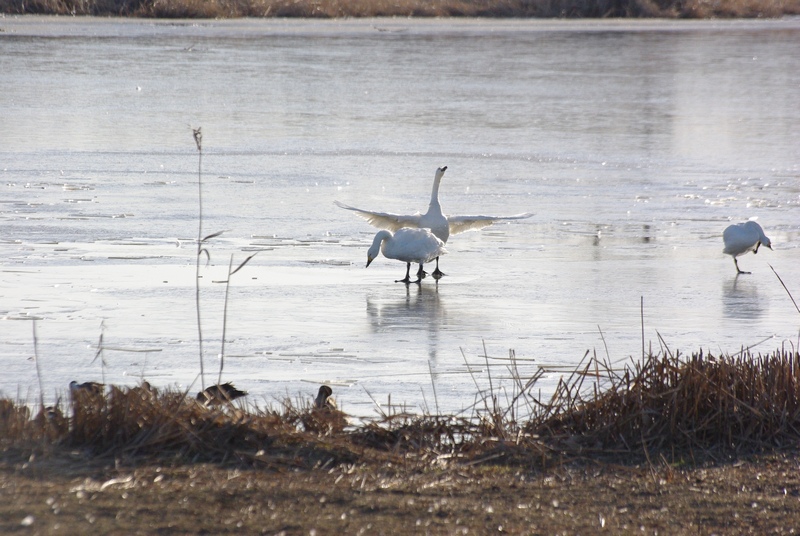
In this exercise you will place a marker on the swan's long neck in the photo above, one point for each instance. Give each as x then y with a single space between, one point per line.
437 180
377 243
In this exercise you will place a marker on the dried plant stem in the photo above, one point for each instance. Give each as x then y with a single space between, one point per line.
785 288
38 368
641 314
489 376
198 139
433 384
225 311
224 322
101 352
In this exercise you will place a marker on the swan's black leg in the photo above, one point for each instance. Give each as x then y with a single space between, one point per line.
738 270
421 274
438 274
407 279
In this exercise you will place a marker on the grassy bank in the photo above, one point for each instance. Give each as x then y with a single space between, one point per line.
407 8
678 445
671 407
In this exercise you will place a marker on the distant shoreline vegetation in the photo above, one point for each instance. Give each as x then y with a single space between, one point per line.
673 9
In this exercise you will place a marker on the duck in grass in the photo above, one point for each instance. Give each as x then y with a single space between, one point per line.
218 394
742 238
434 219
324 417
92 388
407 245
324 399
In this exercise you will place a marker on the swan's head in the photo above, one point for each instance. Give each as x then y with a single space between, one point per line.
763 240
372 254
440 172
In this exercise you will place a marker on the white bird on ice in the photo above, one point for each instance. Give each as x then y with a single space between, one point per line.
440 225
743 237
407 245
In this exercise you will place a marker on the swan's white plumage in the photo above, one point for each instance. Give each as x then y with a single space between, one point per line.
407 245
741 238
434 219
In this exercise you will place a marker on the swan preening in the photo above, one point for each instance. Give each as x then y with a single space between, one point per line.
440 225
743 237
407 245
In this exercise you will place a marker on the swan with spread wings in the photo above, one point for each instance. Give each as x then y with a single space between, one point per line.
434 219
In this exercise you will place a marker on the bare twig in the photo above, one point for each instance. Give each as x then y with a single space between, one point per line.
433 384
785 288
198 139
38 368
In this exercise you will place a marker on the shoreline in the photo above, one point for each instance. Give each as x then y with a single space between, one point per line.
417 10
50 25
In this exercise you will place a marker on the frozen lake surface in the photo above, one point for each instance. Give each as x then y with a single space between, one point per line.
633 143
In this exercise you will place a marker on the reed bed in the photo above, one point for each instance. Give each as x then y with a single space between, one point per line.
667 405
734 404
407 8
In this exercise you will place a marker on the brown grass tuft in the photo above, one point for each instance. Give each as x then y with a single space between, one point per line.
740 404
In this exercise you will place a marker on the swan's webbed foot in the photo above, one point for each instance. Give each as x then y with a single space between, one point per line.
438 274
421 274
406 279
738 270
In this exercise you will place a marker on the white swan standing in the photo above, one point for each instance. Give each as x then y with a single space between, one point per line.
407 245
743 237
440 225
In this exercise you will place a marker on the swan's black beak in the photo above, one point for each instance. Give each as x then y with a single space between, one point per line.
368 262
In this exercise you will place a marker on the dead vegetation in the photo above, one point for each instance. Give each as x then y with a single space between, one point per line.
406 8
698 445
669 407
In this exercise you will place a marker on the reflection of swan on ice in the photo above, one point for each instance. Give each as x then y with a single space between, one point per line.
440 225
421 307
419 311
740 299
742 238
407 245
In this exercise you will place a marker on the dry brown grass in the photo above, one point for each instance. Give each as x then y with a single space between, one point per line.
730 404
669 406
407 8
642 449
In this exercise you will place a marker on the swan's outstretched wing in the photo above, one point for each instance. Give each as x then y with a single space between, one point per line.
384 220
459 224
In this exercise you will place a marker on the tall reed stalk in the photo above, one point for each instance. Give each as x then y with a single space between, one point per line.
198 140
38 368
225 311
